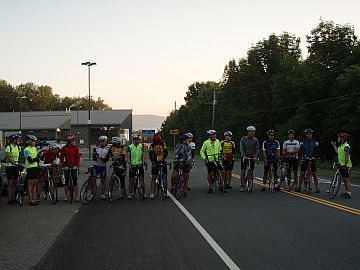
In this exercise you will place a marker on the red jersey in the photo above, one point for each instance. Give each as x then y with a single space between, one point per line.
70 155
48 156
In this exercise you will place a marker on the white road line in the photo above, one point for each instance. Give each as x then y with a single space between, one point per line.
226 259
327 181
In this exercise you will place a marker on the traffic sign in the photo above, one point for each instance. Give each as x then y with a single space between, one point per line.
174 131
148 131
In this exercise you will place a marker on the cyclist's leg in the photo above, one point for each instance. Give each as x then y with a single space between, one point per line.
345 174
243 171
295 170
142 176
66 187
303 169
229 174
266 171
313 169
164 169
74 174
154 174
276 177
222 173
131 181
211 166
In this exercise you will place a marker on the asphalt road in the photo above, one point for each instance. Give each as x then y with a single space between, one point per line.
257 230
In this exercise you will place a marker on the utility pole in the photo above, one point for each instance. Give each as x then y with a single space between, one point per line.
174 134
213 112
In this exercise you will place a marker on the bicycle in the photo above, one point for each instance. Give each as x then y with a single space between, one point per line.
216 176
21 185
71 184
161 181
48 187
249 175
335 182
179 185
309 177
282 172
114 184
88 189
271 177
138 183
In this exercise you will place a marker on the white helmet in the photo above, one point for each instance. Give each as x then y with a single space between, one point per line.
53 146
189 135
102 138
228 133
251 128
211 132
115 140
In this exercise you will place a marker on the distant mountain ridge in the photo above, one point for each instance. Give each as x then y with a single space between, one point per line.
147 121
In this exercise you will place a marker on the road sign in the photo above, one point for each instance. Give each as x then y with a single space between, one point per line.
174 131
148 131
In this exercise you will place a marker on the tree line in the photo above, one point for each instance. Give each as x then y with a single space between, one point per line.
42 98
273 87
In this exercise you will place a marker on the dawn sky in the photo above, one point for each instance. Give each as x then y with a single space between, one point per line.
147 52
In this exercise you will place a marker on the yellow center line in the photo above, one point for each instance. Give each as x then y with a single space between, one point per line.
311 198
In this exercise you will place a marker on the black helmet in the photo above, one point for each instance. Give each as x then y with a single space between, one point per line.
183 137
14 137
291 131
309 130
270 131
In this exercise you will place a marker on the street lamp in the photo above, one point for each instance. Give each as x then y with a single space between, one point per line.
89 64
20 98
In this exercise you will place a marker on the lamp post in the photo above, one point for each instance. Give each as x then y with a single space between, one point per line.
89 64
20 128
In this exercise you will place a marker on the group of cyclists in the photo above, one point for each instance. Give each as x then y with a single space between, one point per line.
217 155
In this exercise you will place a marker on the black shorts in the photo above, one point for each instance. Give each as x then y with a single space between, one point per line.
120 171
293 164
244 164
156 168
211 166
305 164
267 166
185 167
32 173
74 176
344 172
12 172
228 165
132 171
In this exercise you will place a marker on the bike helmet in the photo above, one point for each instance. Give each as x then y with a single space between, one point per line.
135 137
344 135
70 137
211 132
53 146
115 140
291 131
189 135
309 130
183 137
228 133
103 138
251 128
31 138
270 131
14 137
156 137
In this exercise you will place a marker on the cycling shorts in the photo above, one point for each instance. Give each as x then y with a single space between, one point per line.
32 173
12 172
185 167
100 171
244 164
345 172
228 165
132 171
293 164
211 166
156 168
305 164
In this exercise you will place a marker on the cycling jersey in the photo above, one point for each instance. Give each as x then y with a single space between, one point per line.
271 147
118 154
70 154
249 146
228 150
209 149
49 156
183 152
342 150
31 152
14 151
291 146
309 148
158 151
103 153
136 152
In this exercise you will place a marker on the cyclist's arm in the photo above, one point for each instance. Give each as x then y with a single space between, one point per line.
95 155
264 150
347 153
77 157
202 151
143 157
316 150
62 157
8 157
242 150
257 152
278 151
166 152
151 154
284 149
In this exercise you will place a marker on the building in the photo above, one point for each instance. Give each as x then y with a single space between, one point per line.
57 124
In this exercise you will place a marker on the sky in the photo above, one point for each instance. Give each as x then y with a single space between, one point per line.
148 51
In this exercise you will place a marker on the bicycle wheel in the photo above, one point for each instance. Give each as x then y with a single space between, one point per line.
44 190
114 188
141 190
334 185
249 180
271 180
163 188
87 193
20 195
52 192
179 187
215 179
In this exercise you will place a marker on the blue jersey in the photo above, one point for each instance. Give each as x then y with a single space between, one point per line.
271 147
308 148
184 153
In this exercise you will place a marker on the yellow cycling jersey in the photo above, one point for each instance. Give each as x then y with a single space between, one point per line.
158 151
228 150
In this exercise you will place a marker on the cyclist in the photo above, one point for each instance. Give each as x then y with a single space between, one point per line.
290 150
192 147
249 148
118 154
211 153
271 153
12 165
157 154
136 159
70 161
308 150
31 165
183 159
101 155
344 159
228 155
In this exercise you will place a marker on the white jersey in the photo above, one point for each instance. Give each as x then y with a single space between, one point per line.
192 145
103 153
291 147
